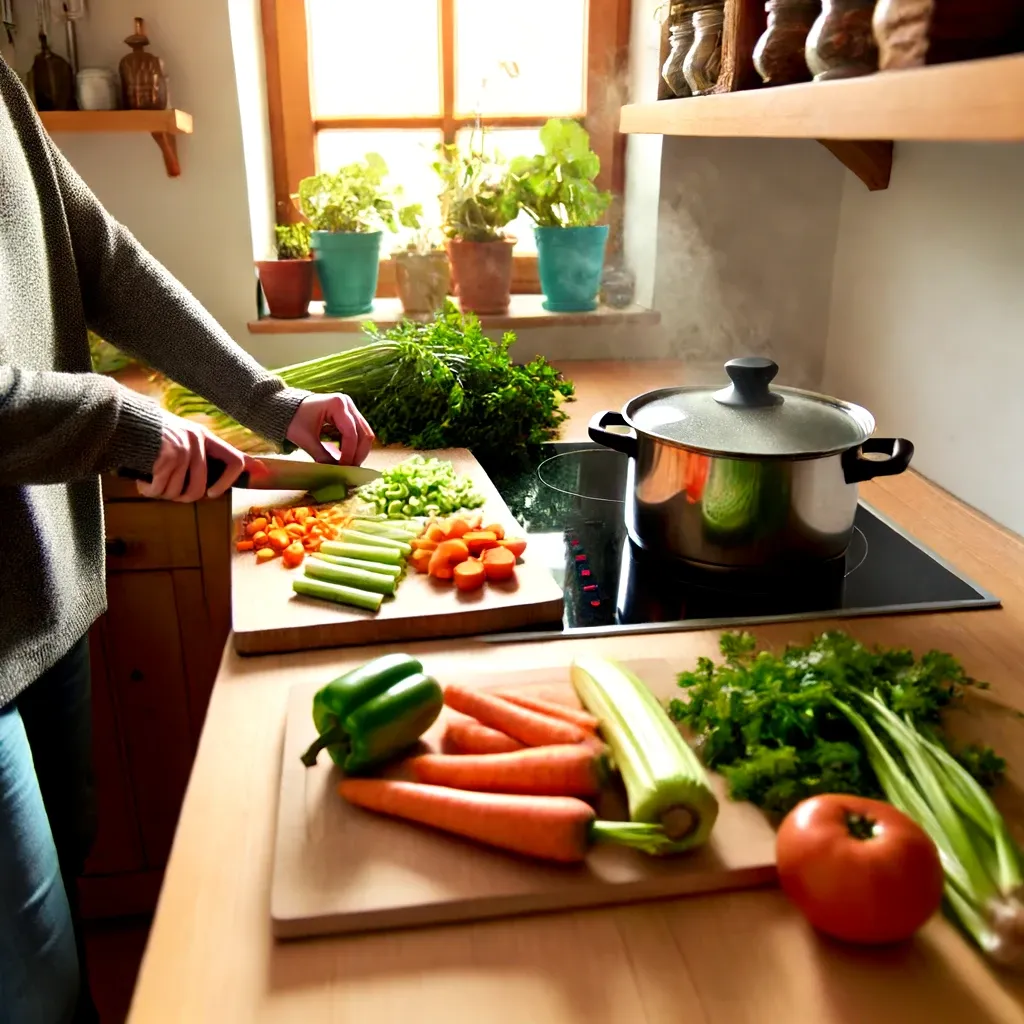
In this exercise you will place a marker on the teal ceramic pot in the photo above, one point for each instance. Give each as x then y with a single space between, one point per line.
346 264
569 262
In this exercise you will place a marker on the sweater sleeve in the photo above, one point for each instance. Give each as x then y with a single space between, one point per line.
67 426
134 302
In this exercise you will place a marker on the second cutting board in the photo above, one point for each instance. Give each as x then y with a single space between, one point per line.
266 616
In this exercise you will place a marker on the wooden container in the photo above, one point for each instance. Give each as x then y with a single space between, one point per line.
780 56
143 81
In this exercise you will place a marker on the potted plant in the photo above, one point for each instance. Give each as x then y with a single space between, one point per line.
556 189
422 274
347 211
477 201
287 282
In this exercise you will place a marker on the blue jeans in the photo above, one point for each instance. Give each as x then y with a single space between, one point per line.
47 823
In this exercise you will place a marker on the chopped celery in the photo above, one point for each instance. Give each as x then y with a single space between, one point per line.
368 552
373 539
346 576
392 571
420 486
338 594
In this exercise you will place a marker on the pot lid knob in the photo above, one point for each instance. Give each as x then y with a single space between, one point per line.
751 377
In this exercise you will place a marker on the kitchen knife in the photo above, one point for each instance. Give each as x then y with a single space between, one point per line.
276 473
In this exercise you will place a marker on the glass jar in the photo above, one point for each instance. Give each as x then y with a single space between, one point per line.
841 43
680 40
779 55
618 286
704 61
97 89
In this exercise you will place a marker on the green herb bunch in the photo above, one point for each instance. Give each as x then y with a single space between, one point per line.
354 198
556 188
768 723
478 197
292 241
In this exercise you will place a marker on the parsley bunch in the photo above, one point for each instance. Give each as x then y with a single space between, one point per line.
768 723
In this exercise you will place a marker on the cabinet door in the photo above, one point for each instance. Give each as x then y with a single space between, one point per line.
147 671
118 847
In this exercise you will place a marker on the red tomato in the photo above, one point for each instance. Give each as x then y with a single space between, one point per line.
858 869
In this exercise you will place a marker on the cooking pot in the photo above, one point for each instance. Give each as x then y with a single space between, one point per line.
747 477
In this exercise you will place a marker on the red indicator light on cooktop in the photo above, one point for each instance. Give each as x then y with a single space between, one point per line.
584 572
581 558
590 586
595 604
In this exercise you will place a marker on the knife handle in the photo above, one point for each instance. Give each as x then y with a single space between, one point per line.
214 468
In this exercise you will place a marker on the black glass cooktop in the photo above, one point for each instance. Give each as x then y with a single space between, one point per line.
569 500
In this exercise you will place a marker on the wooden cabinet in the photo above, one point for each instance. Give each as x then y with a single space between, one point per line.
155 654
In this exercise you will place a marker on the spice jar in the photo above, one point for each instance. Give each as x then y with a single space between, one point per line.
841 43
779 55
704 61
97 89
680 40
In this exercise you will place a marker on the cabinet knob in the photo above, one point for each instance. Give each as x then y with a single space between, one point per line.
117 547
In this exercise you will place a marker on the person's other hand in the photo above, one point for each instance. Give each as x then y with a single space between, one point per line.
318 410
179 473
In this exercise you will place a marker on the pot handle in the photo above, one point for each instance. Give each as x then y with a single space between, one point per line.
625 443
856 468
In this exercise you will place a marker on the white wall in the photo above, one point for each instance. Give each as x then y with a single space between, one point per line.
927 325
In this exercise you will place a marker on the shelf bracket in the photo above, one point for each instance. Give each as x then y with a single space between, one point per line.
168 144
869 159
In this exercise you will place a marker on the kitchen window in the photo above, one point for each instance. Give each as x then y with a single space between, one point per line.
398 77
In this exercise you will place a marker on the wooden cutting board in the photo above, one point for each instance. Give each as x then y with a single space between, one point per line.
267 616
338 868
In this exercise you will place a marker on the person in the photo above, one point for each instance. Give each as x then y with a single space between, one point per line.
66 265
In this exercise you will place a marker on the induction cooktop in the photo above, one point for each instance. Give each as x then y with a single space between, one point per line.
569 498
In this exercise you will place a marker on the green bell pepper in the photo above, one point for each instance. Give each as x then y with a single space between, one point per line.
373 713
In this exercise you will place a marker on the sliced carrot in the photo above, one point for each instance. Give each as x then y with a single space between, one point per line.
295 530
244 545
447 554
288 516
256 525
550 707
548 827
499 564
435 533
568 769
279 539
497 529
468 736
277 522
265 554
420 560
293 555
260 540
300 512
423 544
517 545
479 540
527 726
310 521
469 575
458 527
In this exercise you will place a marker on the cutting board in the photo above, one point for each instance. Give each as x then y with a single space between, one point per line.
267 616
338 868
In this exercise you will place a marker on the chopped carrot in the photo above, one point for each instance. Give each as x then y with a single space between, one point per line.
469 575
435 533
293 555
300 512
256 525
420 560
468 736
279 539
260 540
278 523
568 769
422 544
457 528
548 827
497 529
447 554
479 540
244 545
288 516
527 726
310 521
499 564
265 554
517 545
577 716
295 530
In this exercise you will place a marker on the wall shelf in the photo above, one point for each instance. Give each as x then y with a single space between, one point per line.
163 125
969 101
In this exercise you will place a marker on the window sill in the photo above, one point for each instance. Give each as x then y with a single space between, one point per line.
525 311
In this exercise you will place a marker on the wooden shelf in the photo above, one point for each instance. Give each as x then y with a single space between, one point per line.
163 125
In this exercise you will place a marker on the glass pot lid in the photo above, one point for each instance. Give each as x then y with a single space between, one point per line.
750 418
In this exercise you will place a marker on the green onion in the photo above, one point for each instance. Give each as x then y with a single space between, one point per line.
369 553
339 595
391 571
372 539
346 576
665 782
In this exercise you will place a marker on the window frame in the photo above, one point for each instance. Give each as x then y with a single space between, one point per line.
293 128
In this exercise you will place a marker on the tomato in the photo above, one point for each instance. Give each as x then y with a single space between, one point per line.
858 869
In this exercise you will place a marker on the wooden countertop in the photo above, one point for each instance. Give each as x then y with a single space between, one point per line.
744 958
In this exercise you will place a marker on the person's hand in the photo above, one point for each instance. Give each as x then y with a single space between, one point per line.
317 411
179 473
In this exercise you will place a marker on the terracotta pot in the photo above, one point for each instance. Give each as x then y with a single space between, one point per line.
484 273
423 280
288 286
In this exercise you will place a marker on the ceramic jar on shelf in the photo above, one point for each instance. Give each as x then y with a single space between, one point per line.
841 43
143 79
704 59
780 56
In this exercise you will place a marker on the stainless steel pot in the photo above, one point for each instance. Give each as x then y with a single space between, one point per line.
749 476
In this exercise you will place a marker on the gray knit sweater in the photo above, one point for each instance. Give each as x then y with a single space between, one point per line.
65 264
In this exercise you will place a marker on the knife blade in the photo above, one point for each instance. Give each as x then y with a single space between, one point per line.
276 473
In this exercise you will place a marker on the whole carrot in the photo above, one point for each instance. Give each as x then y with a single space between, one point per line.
527 726
570 769
468 736
577 716
548 827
